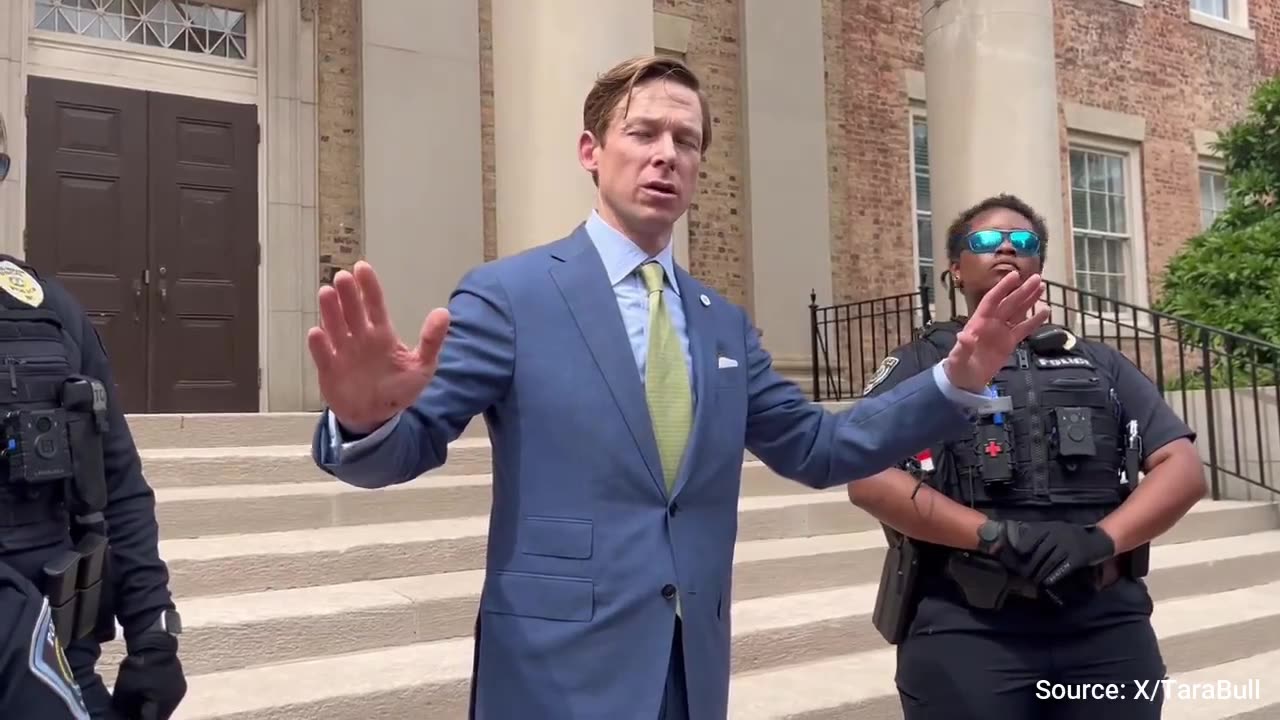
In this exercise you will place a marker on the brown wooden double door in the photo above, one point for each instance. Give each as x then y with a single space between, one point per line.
145 206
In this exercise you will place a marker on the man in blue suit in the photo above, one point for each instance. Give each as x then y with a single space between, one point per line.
620 394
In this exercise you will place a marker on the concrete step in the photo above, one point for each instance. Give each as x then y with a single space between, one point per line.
837 575
212 430
430 679
228 508
275 464
284 464
323 556
257 562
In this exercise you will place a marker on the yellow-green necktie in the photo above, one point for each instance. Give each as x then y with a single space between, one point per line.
666 384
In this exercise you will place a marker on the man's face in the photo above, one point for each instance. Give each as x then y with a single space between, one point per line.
980 271
647 164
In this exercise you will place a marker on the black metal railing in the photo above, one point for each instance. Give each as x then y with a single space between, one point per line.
1224 385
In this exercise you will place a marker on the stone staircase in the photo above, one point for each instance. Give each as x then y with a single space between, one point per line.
305 599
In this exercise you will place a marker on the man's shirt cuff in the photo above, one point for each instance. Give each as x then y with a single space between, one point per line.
341 446
960 397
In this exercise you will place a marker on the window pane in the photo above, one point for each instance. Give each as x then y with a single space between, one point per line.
1078 179
1114 251
1115 175
1079 209
1097 254
1216 8
1119 221
1082 258
1115 290
182 25
1098 219
924 236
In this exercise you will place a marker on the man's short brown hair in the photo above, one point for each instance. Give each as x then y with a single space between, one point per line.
618 82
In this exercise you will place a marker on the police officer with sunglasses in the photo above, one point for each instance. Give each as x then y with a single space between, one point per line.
1013 582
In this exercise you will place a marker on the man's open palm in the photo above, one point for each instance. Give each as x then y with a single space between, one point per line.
366 374
1004 318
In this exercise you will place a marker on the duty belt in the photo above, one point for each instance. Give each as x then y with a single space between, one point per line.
985 583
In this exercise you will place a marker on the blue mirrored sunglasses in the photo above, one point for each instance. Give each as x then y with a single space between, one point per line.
1025 242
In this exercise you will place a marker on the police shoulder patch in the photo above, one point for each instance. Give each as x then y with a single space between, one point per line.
19 283
881 373
47 662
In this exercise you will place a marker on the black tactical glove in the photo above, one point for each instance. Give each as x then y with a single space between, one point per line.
150 683
1047 552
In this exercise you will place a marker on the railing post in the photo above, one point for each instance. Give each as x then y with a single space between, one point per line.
813 342
1207 367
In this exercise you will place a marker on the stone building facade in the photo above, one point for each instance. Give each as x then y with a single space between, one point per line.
390 130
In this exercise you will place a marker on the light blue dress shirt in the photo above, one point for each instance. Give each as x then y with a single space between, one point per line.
622 260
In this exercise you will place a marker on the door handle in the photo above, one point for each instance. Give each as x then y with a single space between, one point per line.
137 300
164 295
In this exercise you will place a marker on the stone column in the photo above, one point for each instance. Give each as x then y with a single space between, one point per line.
14 21
289 244
546 55
784 89
993 116
420 115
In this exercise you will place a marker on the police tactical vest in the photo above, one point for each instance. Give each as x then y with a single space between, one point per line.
1061 445
35 460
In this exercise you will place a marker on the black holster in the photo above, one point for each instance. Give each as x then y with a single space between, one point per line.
984 581
75 580
898 596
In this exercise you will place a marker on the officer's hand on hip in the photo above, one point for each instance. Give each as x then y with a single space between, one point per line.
1004 318
366 374
1047 552
150 684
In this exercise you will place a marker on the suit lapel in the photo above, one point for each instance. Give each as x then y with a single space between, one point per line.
584 285
702 349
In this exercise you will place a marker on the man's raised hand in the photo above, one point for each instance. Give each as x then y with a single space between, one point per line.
366 374
1004 318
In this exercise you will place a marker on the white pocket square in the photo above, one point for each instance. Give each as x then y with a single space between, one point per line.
724 362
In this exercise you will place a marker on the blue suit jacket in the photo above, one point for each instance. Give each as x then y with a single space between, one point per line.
573 621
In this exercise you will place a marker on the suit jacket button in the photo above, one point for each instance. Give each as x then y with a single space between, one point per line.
668 591
672 510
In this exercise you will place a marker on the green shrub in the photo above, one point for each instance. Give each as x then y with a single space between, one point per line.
1229 276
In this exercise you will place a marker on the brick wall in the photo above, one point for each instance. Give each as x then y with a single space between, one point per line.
338 117
719 241
1148 61
1182 77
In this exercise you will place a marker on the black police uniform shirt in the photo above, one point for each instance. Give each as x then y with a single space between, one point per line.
1125 600
142 576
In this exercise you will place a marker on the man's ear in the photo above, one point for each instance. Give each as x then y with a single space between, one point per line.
587 148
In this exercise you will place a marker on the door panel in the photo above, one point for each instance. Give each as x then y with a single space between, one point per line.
87 212
203 240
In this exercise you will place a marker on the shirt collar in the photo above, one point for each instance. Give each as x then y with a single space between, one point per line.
621 256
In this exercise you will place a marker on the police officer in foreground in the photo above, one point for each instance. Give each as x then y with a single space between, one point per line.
1015 558
78 532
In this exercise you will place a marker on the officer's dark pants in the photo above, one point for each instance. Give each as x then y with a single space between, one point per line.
975 675
82 655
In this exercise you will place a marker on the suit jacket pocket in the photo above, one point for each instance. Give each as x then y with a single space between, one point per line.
556 537
549 597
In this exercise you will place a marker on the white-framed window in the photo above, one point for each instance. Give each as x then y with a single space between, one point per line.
921 201
211 29
1108 245
1220 9
1229 16
1213 194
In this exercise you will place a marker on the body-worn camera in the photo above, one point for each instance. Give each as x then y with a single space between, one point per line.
36 446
